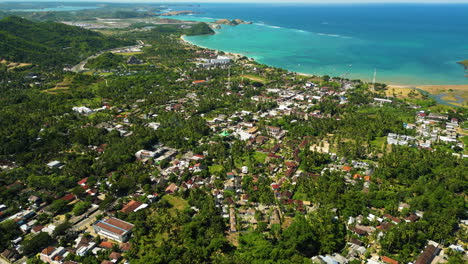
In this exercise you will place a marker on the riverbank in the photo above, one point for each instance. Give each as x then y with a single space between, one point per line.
453 95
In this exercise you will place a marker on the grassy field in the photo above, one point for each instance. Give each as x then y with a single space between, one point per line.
260 157
216 169
379 143
178 204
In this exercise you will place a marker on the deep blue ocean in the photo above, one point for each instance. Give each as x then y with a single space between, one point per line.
404 43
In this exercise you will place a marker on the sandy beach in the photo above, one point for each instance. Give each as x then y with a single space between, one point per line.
236 55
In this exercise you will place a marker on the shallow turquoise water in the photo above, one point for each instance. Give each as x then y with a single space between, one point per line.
406 44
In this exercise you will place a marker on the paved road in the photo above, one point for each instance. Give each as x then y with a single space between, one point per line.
87 221
4 261
81 66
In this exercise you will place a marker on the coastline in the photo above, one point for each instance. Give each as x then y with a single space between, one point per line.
236 55
389 77
426 87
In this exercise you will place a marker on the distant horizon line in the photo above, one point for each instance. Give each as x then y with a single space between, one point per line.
282 2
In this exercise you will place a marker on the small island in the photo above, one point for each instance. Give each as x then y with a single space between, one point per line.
464 63
234 22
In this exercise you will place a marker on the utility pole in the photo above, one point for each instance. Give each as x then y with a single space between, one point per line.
373 81
229 78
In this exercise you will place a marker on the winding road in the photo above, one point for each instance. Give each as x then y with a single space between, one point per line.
81 66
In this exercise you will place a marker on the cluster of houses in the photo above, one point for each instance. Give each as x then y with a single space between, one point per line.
219 61
430 129
279 158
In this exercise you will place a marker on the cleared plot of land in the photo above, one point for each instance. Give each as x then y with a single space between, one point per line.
177 203
216 169
130 53
260 157
14 65
438 89
324 148
61 87
233 238
254 78
403 92
453 94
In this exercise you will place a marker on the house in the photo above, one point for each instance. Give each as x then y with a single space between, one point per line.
437 117
428 255
34 199
125 246
221 60
106 245
115 257
245 169
69 197
388 260
172 188
411 218
392 218
362 230
131 206
347 168
380 100
145 154
37 229
83 181
54 164
230 175
273 129
199 167
199 82
10 254
84 249
197 157
53 255
114 229
83 110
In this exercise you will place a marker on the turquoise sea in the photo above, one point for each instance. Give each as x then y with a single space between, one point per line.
405 43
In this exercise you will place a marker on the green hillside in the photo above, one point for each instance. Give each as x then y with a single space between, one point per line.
48 43
199 29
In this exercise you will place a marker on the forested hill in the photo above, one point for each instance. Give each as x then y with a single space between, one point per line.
48 43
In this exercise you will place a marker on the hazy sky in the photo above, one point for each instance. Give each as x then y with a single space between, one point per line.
251 1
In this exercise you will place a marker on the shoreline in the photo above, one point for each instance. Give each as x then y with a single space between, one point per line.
389 84
236 55
432 87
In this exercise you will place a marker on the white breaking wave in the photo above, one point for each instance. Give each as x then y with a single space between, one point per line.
333 35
